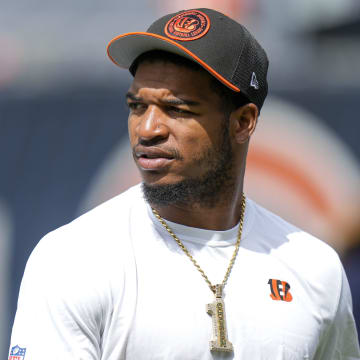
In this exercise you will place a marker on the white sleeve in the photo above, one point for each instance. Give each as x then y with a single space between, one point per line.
59 312
340 341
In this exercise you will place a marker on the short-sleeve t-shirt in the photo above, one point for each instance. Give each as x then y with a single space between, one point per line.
114 285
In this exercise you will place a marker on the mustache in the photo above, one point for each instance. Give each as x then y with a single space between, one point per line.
166 149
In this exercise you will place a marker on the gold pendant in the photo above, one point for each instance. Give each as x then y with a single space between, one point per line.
216 309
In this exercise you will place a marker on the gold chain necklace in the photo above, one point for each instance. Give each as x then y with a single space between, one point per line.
216 309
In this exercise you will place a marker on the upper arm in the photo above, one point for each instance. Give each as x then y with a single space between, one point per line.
340 340
59 312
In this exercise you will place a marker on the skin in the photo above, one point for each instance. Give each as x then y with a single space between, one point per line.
173 111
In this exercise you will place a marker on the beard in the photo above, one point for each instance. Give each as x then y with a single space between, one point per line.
206 190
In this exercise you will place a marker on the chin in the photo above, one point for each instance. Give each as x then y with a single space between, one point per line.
154 178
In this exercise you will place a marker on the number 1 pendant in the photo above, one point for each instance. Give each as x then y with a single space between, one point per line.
216 309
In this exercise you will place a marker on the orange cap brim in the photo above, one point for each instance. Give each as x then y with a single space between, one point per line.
125 48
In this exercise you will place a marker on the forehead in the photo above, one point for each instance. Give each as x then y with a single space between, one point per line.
179 80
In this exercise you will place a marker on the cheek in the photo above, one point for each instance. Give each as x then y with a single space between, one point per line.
189 136
192 145
131 129
197 137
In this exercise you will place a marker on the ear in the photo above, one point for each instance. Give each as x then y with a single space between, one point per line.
244 120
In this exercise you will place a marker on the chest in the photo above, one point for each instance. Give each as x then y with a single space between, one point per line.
269 313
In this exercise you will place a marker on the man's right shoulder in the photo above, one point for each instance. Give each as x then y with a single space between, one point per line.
79 269
102 229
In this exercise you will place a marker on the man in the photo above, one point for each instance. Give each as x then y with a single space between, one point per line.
184 266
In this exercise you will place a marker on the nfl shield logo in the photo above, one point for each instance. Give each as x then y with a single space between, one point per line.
17 353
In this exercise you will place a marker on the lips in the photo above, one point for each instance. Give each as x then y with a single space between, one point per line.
153 158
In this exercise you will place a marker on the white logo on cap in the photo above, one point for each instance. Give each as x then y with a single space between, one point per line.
254 83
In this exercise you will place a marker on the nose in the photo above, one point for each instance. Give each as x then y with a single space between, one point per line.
152 128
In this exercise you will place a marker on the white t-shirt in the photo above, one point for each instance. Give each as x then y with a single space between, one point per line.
113 285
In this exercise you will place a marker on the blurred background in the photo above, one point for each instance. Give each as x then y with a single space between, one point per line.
63 120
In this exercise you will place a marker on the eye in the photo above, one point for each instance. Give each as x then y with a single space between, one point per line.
135 106
178 110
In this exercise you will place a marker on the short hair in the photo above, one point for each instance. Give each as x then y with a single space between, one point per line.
230 100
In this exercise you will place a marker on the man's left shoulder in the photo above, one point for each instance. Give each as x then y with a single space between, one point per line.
299 250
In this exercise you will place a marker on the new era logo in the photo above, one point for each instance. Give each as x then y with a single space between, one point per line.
254 82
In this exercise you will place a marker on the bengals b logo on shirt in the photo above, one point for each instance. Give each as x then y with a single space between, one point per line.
280 290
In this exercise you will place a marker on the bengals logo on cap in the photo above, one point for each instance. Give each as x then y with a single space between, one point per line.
188 25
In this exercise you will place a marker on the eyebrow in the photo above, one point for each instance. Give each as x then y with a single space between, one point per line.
130 96
174 101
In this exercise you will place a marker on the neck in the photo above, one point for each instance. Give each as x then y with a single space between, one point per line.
222 215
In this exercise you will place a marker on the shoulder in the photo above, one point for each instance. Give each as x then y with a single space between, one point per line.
95 241
276 235
315 277
312 263
100 225
85 262
111 212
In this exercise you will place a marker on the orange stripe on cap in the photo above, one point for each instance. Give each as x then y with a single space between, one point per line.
197 59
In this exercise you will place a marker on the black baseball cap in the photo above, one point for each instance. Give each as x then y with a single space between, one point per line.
222 46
